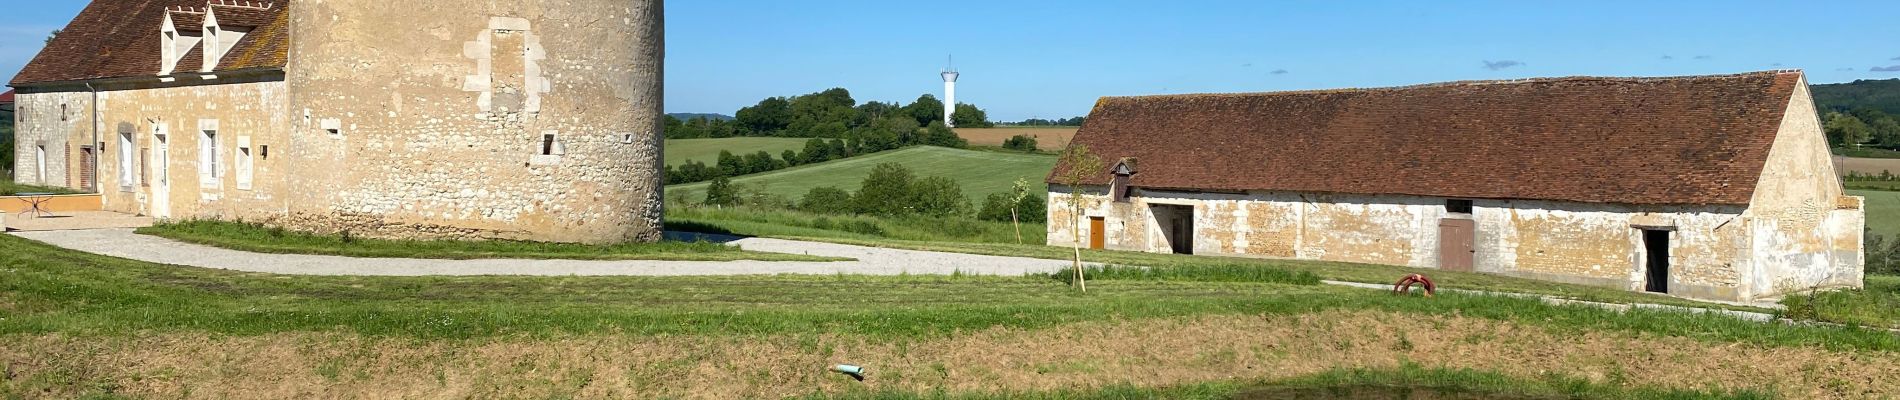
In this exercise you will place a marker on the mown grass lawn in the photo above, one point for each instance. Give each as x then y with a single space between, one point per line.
262 239
679 151
1883 211
996 240
978 172
46 289
75 325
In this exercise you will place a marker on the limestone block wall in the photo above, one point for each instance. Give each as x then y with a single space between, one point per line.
1570 242
531 120
246 116
1602 244
58 120
1807 231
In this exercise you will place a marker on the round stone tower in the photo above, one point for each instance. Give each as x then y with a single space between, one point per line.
531 119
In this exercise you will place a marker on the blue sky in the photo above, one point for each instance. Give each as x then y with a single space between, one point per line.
1051 59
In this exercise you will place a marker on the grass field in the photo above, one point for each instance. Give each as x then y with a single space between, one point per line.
979 172
1883 211
1047 138
261 239
77 325
678 151
925 235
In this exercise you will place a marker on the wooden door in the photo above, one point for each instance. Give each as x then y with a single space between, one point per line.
1455 240
1097 239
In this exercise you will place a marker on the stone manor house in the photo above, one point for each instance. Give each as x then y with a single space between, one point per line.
1710 187
530 119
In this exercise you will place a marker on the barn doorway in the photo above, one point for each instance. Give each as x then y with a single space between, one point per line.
1656 265
1177 227
1455 244
1098 237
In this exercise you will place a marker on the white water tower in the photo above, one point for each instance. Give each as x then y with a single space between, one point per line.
949 94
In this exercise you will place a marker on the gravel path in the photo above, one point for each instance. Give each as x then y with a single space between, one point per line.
870 260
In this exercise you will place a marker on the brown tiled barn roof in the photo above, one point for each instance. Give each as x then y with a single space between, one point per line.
1681 140
119 38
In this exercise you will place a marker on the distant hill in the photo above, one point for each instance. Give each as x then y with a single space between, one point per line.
1883 95
690 116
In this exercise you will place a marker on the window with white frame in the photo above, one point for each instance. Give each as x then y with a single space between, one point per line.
125 161
208 158
243 163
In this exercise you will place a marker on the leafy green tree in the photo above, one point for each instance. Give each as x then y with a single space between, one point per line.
874 110
768 117
1033 207
791 157
816 151
838 150
968 116
730 165
996 207
938 196
720 192
886 191
826 200
937 134
925 110
1846 130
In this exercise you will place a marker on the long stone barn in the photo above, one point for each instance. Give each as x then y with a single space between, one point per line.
1709 187
531 119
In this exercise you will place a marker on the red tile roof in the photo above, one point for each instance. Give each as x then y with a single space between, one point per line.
6 97
119 38
1678 140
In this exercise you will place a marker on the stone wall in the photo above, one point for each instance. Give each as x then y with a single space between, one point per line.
1807 231
58 121
429 118
1593 244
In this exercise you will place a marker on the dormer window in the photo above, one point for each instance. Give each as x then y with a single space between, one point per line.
180 32
213 43
1118 188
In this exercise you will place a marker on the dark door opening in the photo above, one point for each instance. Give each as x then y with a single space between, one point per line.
1656 267
1177 227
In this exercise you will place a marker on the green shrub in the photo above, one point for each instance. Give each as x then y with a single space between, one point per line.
886 191
996 207
826 200
1023 143
938 196
720 192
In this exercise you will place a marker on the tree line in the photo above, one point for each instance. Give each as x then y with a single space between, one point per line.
1074 121
830 114
816 150
1862 127
891 190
